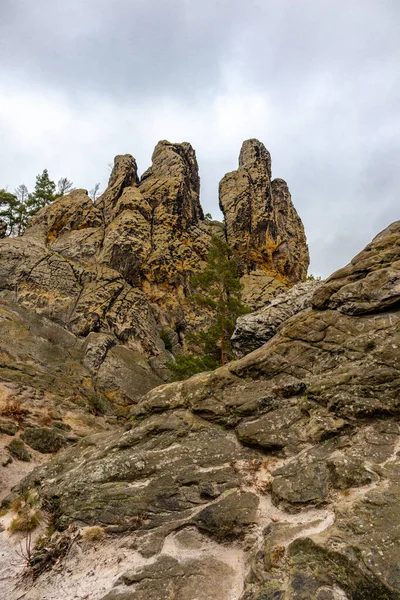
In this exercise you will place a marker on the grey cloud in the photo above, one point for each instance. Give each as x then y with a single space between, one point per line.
327 72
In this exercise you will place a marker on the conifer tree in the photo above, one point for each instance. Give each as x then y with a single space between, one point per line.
44 194
22 195
217 288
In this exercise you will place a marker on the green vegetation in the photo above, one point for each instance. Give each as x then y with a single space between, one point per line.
218 289
17 208
187 365
311 277
97 406
166 338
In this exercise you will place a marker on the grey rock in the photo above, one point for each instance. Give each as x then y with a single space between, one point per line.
8 427
18 450
255 329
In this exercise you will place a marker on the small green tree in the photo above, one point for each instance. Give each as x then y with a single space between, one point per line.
8 205
13 211
218 289
44 194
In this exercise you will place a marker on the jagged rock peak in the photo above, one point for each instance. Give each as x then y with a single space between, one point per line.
254 154
172 184
124 171
123 175
168 159
262 224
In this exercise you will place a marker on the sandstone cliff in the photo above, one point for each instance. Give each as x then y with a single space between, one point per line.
122 266
274 477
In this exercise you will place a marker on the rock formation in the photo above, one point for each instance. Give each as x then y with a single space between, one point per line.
262 226
255 329
122 266
274 477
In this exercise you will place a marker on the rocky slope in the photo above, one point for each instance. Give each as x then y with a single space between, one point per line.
274 477
122 266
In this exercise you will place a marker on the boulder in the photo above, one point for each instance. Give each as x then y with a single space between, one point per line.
8 427
43 439
18 450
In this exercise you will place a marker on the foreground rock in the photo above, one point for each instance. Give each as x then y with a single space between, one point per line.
276 476
255 329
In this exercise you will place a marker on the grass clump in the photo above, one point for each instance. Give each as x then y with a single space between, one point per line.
13 409
97 406
28 514
93 534
25 522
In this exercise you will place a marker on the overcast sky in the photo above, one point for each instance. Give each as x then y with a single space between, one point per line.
316 80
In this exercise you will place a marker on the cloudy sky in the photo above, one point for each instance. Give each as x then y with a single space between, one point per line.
316 80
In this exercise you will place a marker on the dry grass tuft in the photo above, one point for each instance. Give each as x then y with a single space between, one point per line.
26 521
93 534
13 409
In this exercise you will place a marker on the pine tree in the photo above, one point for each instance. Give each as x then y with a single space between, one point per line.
44 194
217 288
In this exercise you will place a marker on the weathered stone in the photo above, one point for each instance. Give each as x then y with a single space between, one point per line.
122 266
275 476
8 427
230 517
18 450
169 578
370 283
43 439
273 431
125 376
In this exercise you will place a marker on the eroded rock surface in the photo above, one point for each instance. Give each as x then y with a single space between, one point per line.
278 474
255 329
